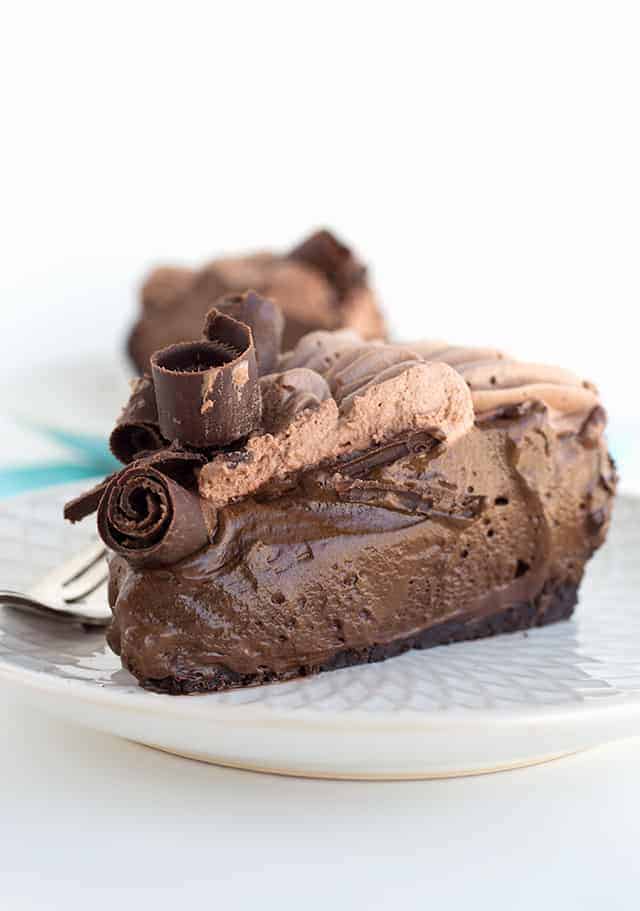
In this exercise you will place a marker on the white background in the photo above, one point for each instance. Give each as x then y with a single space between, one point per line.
485 157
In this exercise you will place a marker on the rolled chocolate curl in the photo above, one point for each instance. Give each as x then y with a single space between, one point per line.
137 429
151 519
180 465
207 392
86 503
265 320
177 464
337 263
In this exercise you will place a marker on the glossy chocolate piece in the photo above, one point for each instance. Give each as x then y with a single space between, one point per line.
265 320
207 392
137 430
175 463
151 519
85 504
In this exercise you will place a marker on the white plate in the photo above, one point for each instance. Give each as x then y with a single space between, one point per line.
461 709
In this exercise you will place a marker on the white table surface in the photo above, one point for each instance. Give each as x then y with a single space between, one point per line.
92 822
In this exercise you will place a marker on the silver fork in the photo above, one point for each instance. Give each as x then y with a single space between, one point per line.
75 592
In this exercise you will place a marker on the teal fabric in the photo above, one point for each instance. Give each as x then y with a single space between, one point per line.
89 457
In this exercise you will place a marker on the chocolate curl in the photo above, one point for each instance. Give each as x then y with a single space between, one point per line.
86 503
151 519
337 263
265 320
137 429
207 392
593 427
177 464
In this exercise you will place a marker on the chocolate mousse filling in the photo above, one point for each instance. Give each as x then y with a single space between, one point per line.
386 499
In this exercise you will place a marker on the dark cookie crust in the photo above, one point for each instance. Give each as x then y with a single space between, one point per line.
555 602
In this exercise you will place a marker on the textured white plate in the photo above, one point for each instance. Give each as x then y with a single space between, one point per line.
460 709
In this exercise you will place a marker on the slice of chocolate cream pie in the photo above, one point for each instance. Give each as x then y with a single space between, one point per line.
355 500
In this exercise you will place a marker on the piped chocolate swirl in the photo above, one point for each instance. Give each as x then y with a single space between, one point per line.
286 394
499 381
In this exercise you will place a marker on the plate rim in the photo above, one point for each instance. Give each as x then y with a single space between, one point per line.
203 706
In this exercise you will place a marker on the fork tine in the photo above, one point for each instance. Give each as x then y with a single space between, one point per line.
86 583
49 589
85 560
75 591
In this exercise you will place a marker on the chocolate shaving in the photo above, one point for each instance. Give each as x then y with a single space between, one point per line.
387 495
179 464
86 503
425 441
596 519
137 429
151 519
207 392
520 419
593 427
265 320
336 261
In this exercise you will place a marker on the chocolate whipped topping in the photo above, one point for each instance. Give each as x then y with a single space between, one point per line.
498 381
393 391
286 394
417 397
